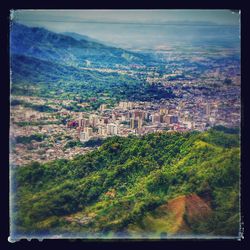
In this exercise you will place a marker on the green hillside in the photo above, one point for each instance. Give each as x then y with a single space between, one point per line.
158 184
32 76
48 64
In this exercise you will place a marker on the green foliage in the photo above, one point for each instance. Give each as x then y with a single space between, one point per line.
36 123
28 139
226 130
159 183
93 142
53 78
39 108
125 178
224 139
72 144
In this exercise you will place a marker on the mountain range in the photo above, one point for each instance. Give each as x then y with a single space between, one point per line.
68 48
58 64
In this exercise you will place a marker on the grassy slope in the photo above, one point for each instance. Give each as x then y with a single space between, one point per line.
122 186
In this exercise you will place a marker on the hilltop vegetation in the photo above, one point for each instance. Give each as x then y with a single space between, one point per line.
132 186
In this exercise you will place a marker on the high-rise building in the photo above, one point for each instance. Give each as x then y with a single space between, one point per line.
112 129
88 131
136 123
93 120
83 122
132 123
80 122
161 118
138 114
208 109
83 136
147 115
102 130
174 119
156 118
170 119
139 123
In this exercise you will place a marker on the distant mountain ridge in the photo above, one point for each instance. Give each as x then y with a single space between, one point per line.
56 64
80 37
68 49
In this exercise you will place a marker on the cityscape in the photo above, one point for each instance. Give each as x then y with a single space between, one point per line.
125 134
196 110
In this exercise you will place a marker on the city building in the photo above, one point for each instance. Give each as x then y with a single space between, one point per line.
188 124
123 105
83 122
207 109
138 114
140 123
136 123
170 119
132 123
84 136
102 107
102 130
93 120
124 117
112 129
156 118
114 115
88 131
126 105
163 110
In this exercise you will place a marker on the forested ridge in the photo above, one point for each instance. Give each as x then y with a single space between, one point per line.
48 64
132 186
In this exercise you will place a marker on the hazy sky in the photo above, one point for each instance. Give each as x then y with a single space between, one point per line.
119 26
141 16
